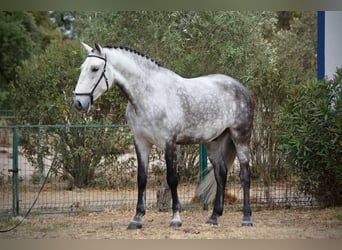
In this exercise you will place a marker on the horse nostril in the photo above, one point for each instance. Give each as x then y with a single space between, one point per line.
77 104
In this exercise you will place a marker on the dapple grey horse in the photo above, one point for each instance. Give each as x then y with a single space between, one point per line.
166 110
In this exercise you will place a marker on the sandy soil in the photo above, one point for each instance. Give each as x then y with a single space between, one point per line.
268 224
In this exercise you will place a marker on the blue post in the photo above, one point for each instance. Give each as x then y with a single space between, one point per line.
203 167
320 45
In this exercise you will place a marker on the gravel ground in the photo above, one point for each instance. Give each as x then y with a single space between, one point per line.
268 224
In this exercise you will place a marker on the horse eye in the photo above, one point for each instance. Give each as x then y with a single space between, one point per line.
94 69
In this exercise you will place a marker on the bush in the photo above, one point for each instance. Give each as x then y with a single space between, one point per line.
311 138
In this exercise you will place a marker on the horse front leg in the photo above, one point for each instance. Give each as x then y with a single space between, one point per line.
172 180
142 151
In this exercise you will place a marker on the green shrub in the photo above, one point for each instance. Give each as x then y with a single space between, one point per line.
310 137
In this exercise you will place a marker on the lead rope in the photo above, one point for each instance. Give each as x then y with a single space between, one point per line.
54 161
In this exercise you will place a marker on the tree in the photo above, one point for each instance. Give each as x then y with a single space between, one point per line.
16 44
287 60
22 34
53 73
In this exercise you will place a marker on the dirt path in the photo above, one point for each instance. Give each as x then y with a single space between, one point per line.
269 224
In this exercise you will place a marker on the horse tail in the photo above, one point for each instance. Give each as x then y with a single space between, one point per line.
206 190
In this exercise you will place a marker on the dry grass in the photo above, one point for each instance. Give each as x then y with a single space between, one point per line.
268 224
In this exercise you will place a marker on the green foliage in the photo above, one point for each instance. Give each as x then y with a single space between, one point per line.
310 134
188 42
90 154
17 38
287 59
22 34
44 85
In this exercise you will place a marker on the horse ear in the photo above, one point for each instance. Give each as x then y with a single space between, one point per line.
86 47
98 47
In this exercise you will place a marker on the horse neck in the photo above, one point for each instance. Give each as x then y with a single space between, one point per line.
132 73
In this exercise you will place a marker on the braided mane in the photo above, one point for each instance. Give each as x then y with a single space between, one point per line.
134 51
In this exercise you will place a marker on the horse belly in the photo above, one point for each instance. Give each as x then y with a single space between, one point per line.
201 134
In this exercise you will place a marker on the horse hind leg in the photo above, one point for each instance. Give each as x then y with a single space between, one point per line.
245 182
242 150
221 153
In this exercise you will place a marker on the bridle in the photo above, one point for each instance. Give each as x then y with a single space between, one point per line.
91 93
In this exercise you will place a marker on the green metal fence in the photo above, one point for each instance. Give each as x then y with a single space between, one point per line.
95 169
109 181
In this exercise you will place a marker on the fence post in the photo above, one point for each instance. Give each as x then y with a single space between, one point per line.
40 153
203 167
15 170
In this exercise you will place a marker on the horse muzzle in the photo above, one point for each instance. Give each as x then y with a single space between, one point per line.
81 103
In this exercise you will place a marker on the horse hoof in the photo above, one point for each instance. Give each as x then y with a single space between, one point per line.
212 221
175 224
134 225
246 224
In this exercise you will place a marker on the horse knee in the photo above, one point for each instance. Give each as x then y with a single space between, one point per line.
172 180
245 172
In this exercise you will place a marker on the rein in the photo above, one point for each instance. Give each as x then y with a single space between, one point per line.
91 93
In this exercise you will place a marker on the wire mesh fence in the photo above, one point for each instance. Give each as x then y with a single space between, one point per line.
94 168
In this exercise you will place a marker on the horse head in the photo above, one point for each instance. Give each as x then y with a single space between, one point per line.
94 79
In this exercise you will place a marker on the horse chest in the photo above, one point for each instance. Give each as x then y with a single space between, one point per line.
154 125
